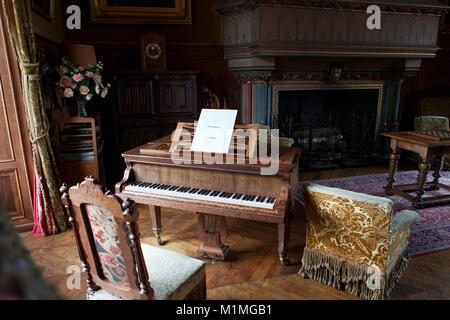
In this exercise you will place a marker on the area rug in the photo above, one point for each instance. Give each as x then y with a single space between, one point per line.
431 234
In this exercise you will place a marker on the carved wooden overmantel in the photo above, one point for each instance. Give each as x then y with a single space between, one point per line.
261 28
271 44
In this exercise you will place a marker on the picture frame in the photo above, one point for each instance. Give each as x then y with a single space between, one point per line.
45 8
47 21
141 12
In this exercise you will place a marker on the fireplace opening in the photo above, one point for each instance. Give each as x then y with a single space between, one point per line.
334 128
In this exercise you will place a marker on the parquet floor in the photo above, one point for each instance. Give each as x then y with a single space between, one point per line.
252 270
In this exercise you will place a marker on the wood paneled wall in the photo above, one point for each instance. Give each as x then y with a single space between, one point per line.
189 47
434 76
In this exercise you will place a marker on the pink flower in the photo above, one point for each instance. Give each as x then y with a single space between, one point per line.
65 82
89 74
89 97
73 86
77 77
81 68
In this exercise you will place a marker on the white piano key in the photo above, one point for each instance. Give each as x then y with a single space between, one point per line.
212 196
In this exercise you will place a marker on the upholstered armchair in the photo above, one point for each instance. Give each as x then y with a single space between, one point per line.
116 264
426 123
354 243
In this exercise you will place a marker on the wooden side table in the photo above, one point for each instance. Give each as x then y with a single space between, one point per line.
432 147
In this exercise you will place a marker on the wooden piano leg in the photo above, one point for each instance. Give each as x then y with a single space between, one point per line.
213 231
155 214
283 240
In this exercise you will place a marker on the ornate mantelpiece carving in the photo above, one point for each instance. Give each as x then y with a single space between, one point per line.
328 28
409 7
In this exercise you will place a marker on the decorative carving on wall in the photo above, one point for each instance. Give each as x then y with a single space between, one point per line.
230 7
306 31
256 76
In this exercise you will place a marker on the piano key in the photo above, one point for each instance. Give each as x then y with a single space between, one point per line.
202 194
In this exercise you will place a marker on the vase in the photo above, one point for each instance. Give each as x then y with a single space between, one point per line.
81 103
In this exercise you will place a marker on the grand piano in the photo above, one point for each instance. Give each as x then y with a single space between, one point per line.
212 191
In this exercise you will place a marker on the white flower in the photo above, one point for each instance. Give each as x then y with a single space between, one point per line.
104 92
89 97
98 80
68 93
97 89
84 90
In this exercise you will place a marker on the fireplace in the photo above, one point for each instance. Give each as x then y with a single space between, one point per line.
315 71
334 125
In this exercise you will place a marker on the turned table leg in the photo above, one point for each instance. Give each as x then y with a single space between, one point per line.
423 171
155 214
437 167
393 162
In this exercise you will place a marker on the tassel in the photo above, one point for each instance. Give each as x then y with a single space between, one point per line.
349 276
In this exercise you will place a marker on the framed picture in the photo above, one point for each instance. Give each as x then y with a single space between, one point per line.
45 8
46 19
141 11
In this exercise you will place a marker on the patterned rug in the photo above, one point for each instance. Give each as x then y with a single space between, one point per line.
431 234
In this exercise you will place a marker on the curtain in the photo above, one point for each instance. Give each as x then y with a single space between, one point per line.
48 211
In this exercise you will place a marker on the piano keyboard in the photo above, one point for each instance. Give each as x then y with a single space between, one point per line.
202 194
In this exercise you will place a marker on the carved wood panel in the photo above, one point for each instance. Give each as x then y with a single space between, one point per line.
15 191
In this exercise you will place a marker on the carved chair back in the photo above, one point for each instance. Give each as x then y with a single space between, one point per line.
107 236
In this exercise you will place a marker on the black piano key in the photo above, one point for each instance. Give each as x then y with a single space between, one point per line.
246 197
193 191
173 188
252 198
258 199
237 196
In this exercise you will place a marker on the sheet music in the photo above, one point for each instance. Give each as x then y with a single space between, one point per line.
214 131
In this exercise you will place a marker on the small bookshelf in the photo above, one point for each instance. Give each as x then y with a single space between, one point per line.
78 147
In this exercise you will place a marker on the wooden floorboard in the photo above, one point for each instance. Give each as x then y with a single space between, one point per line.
252 270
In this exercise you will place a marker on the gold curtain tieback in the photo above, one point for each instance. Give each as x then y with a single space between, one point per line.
39 138
31 70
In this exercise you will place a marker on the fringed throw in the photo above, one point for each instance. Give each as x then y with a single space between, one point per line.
349 276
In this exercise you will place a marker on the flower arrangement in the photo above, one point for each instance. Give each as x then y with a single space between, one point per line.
82 83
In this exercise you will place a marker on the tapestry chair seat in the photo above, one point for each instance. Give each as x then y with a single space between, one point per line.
354 243
116 264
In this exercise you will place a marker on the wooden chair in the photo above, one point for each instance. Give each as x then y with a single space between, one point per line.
353 240
116 264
